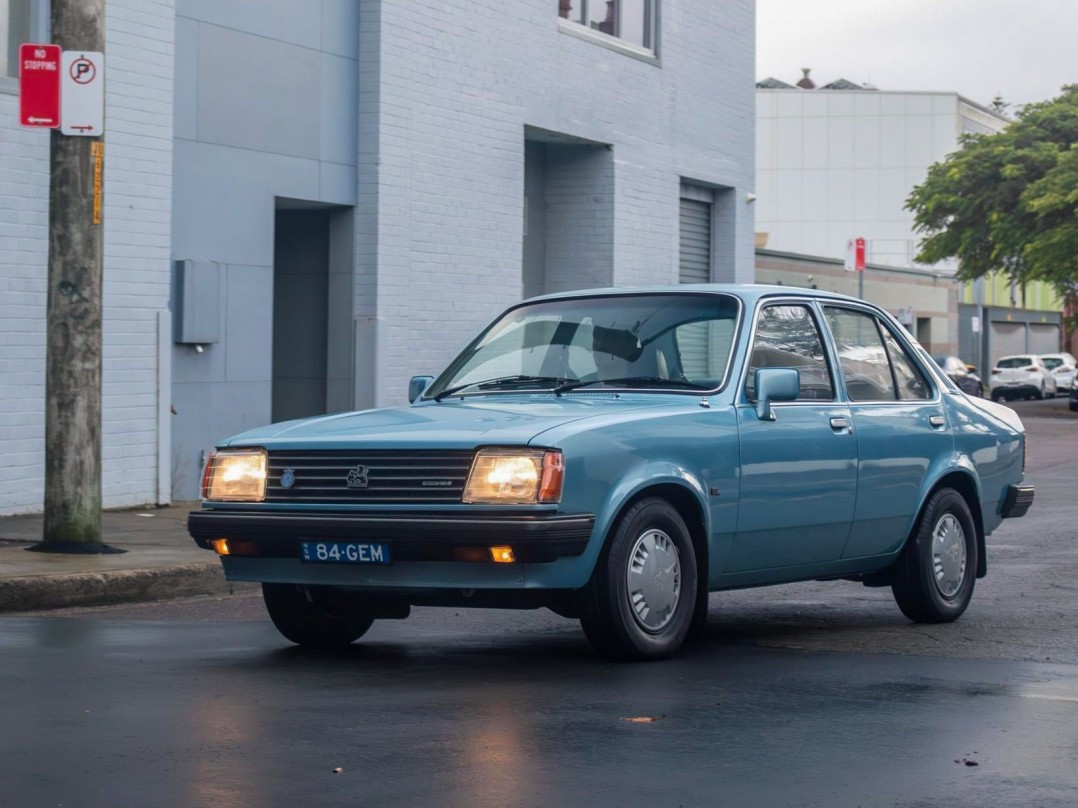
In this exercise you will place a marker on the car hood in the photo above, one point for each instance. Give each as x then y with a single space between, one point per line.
458 424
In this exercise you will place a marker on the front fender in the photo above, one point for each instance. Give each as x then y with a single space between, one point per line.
636 480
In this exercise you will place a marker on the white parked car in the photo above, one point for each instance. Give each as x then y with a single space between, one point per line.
1021 376
1063 368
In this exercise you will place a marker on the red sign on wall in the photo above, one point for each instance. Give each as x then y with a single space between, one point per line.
39 85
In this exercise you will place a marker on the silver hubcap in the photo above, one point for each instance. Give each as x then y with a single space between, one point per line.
654 578
948 555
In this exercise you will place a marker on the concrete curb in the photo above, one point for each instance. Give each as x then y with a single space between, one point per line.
41 592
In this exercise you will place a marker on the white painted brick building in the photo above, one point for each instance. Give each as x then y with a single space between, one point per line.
346 190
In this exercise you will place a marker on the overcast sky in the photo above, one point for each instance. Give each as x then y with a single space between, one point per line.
1024 49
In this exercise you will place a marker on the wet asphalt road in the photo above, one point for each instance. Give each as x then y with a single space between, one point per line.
808 695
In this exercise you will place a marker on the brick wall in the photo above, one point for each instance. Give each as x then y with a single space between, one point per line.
138 191
455 85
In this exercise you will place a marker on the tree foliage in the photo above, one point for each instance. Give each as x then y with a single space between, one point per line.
1008 202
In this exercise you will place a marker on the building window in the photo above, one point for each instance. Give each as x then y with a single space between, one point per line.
14 30
632 21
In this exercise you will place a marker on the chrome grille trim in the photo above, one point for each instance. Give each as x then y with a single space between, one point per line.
393 476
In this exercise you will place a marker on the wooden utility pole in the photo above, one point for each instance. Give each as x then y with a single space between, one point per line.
73 354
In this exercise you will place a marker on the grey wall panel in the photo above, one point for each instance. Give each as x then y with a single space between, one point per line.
337 183
299 22
339 109
224 200
207 413
185 98
340 27
258 93
248 326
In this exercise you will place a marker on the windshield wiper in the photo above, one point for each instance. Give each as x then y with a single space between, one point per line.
501 381
632 381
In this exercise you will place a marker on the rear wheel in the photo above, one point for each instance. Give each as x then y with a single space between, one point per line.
316 616
641 599
934 576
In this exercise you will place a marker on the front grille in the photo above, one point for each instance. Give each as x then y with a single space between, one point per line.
375 476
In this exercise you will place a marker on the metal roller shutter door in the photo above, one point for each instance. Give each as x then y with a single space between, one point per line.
694 265
1007 339
1043 338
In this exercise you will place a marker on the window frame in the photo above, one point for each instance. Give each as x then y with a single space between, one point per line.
583 30
828 357
882 322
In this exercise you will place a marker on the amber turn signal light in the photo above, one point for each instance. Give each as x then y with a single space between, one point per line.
220 546
502 555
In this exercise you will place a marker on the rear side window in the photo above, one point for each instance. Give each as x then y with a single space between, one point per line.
1016 362
787 337
874 363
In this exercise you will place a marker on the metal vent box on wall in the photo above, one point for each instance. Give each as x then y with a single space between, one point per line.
197 302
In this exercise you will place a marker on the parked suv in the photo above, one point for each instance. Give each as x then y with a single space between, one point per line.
1021 376
1062 366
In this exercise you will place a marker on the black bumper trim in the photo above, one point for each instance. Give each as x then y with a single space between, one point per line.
1017 501
535 538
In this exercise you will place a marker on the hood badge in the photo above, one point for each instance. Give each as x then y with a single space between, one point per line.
357 477
288 478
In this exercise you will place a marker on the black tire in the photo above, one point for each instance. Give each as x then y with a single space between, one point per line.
923 595
1074 406
613 626
315 617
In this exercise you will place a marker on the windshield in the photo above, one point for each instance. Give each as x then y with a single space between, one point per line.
1051 362
662 341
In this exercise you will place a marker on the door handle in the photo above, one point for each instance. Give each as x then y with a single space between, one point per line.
937 421
840 423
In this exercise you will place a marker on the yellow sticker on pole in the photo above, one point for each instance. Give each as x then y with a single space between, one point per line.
97 149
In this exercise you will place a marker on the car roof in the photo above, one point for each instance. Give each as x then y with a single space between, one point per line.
749 292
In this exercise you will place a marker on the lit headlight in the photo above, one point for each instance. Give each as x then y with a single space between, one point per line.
235 476
514 476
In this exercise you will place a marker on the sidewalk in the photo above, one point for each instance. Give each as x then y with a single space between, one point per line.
161 562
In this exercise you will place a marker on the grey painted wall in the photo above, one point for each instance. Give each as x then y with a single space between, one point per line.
265 108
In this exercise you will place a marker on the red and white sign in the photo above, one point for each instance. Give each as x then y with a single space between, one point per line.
39 85
855 255
82 92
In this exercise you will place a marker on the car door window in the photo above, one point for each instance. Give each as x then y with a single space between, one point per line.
862 354
787 337
876 366
908 377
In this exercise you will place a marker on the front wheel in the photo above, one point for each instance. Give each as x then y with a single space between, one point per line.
934 576
316 616
641 599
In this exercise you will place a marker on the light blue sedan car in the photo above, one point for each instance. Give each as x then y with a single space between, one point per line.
614 455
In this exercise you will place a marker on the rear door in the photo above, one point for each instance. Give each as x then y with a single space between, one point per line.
900 425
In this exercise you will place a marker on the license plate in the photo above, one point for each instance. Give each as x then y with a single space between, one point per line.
344 552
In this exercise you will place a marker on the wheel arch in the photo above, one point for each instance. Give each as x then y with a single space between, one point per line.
965 484
687 503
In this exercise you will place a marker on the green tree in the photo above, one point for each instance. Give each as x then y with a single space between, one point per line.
1008 202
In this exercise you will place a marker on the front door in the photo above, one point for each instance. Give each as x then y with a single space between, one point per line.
798 472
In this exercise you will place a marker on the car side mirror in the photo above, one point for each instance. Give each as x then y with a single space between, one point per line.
775 384
417 386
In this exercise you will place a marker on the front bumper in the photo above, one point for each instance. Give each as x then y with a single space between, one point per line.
535 538
1017 501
